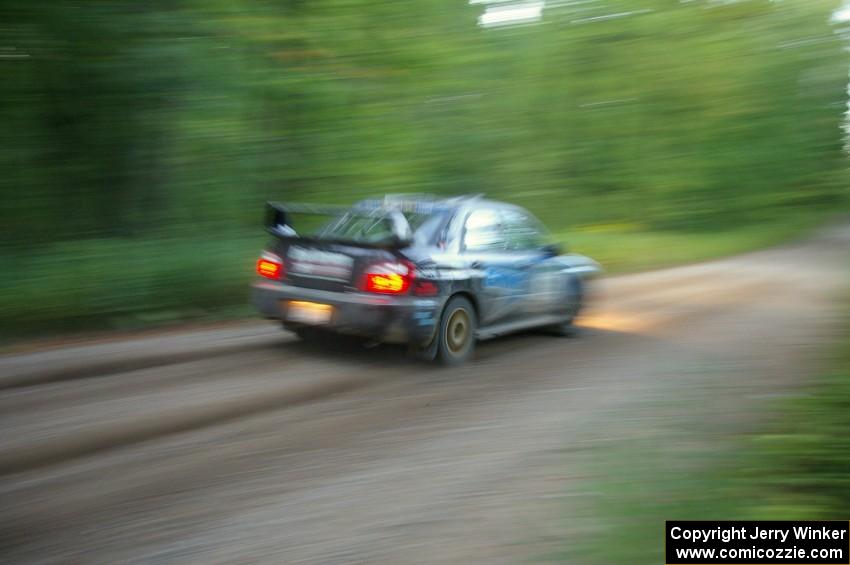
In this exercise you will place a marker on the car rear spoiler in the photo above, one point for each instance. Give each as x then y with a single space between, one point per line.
278 222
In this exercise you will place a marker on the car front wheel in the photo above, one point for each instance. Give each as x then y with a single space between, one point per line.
567 327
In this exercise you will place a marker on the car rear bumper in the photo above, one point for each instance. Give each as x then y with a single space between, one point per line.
392 319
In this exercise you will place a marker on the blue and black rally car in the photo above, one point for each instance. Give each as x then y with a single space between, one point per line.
437 274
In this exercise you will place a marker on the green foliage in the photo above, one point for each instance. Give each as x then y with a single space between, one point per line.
805 456
124 283
134 122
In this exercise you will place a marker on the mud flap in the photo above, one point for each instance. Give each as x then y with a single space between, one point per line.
426 352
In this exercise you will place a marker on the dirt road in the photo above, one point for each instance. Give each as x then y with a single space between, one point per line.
244 445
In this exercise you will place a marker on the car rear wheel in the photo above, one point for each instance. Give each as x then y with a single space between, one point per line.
456 338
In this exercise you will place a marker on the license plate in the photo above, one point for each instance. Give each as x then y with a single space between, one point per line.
309 313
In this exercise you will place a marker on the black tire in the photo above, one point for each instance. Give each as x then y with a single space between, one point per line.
567 327
456 336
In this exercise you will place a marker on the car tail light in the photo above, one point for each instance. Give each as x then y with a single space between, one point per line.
270 266
388 278
425 288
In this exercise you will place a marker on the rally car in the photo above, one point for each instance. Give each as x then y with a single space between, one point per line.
436 274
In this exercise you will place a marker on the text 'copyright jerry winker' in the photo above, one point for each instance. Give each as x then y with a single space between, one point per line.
765 543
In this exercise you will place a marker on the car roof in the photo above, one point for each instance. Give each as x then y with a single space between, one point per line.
430 204
424 203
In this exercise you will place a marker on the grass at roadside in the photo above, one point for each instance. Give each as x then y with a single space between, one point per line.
625 248
132 283
797 467
125 284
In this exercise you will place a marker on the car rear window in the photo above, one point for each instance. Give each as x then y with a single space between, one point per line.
378 229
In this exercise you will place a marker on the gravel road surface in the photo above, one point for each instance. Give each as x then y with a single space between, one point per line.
240 444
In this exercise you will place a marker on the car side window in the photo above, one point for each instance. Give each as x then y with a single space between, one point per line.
483 231
523 231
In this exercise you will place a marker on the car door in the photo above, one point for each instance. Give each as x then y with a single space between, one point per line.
528 244
484 250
